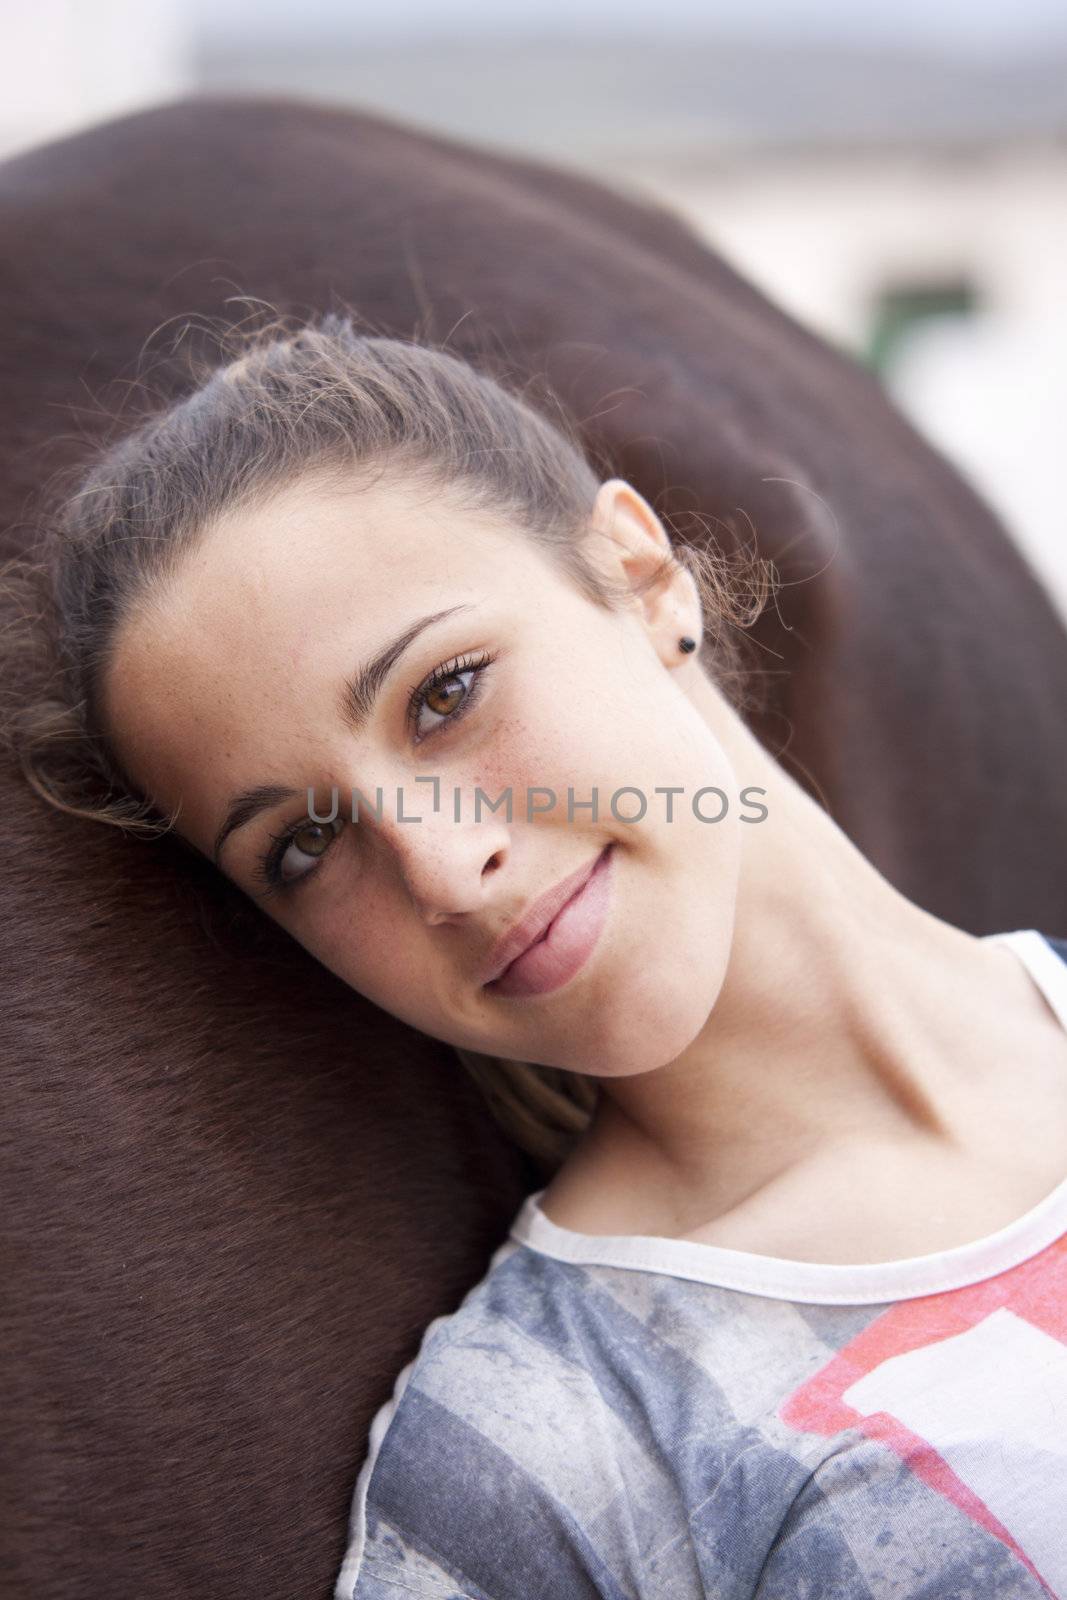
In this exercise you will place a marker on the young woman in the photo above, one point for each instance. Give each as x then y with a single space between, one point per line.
789 1316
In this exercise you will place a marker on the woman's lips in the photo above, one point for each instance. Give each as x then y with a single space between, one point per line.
567 942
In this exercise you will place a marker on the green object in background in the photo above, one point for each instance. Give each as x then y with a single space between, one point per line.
902 307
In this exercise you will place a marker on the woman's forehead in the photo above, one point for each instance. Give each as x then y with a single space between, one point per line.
273 606
320 547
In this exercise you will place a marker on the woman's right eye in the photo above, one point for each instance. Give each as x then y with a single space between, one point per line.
308 839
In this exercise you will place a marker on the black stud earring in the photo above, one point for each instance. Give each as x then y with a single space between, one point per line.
685 643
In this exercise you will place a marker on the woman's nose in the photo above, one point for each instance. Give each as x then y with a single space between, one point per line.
446 866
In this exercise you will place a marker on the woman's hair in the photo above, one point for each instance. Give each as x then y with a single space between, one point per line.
320 399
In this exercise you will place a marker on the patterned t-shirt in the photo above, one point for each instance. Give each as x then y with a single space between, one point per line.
644 1418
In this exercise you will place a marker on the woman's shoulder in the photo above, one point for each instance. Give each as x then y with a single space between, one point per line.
485 1445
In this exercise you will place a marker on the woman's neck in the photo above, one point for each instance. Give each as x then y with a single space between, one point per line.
848 1019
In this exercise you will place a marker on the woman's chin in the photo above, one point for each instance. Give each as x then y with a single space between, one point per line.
618 1027
631 1040
655 1020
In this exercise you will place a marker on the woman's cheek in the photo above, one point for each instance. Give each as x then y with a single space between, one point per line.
511 761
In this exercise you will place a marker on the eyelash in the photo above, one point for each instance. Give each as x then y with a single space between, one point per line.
441 674
268 867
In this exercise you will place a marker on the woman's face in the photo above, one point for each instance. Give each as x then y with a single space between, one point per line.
235 679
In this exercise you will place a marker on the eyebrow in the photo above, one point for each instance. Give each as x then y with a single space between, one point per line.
357 700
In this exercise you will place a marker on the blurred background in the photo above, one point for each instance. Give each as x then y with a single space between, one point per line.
895 177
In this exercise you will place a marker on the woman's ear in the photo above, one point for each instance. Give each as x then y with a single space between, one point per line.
630 549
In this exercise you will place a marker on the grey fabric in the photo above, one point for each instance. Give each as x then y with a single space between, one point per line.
580 1430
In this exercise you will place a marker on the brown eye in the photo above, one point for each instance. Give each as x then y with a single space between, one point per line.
447 694
312 840
442 700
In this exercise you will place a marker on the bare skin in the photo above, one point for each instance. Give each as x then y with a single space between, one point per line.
794 1058
893 1104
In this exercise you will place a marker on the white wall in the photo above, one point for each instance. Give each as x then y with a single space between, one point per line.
68 63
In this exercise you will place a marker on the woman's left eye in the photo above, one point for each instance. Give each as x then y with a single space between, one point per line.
449 692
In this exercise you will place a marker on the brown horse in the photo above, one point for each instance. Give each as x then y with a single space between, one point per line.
234 1193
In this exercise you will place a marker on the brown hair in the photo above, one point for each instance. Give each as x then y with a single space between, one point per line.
319 397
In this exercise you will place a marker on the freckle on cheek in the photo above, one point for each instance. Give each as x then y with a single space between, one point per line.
520 776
